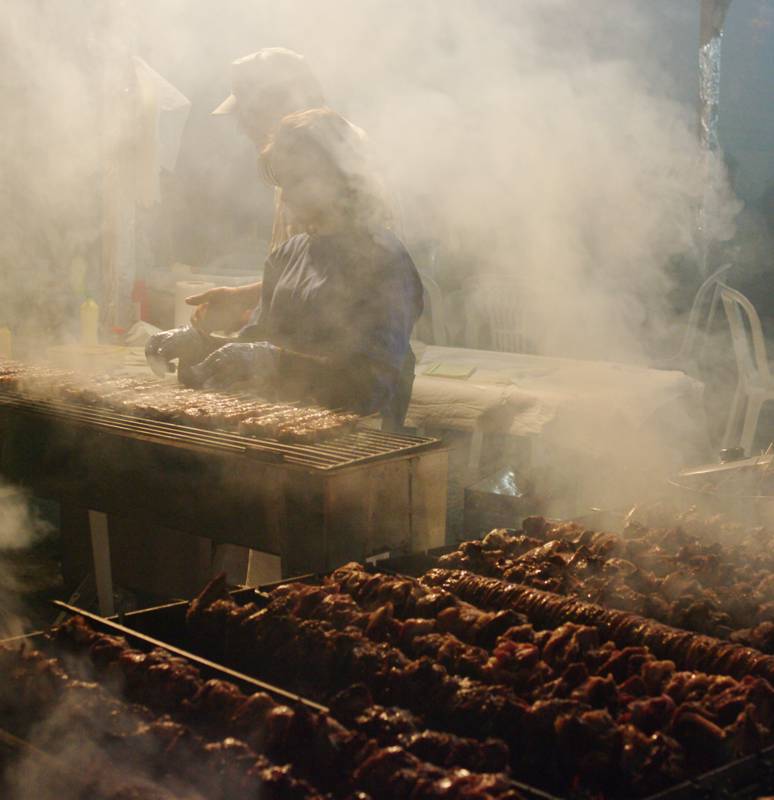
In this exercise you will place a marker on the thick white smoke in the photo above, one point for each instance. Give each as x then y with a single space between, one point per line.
551 142
20 527
544 137
544 140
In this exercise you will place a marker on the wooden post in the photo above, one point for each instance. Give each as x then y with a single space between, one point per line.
103 575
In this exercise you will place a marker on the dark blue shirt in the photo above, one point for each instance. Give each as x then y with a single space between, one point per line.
352 299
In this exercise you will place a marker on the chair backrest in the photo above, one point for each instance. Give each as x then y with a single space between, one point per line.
749 348
497 307
708 290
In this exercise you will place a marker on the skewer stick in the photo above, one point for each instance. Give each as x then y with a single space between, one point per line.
199 661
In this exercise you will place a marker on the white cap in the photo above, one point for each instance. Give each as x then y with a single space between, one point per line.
269 69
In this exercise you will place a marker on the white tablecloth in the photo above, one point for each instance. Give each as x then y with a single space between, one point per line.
590 405
580 401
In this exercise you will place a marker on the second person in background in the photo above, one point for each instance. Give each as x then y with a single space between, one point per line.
266 86
340 300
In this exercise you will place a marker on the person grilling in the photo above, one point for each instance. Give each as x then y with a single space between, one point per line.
339 300
266 86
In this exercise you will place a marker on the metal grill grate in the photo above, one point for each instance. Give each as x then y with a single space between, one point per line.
350 449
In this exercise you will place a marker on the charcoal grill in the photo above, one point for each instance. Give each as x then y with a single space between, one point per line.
315 505
138 638
745 778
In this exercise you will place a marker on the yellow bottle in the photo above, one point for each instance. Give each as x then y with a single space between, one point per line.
89 322
5 343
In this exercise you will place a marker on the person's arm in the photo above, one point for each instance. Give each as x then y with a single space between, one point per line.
224 308
249 294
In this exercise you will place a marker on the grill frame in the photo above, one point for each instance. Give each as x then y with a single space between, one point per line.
316 506
347 450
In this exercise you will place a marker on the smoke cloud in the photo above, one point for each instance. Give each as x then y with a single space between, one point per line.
20 527
78 751
548 143
552 143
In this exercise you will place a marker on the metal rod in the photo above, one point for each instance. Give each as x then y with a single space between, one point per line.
99 416
345 450
126 427
192 657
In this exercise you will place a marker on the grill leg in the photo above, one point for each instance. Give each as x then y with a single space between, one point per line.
100 548
262 568
231 559
476 447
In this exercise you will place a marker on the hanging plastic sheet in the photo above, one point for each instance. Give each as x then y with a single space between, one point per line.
163 113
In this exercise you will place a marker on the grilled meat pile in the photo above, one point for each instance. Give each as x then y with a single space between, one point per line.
574 710
157 400
135 747
211 735
691 650
696 582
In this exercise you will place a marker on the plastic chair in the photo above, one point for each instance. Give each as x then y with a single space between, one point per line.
709 289
496 308
755 385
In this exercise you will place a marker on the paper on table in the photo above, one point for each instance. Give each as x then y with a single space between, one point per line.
460 371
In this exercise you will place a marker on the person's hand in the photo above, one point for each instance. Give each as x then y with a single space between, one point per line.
222 308
237 362
186 344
